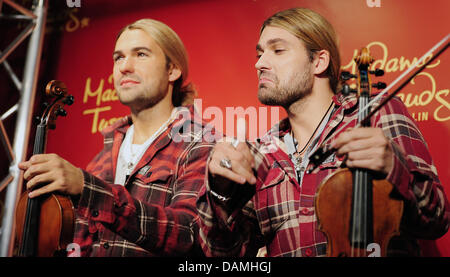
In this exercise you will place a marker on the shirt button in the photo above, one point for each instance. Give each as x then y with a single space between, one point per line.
305 211
94 213
308 252
106 245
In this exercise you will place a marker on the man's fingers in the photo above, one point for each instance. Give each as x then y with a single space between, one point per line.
242 156
240 171
24 165
241 160
216 169
43 190
352 135
245 150
38 180
371 164
36 159
242 130
356 145
41 158
242 136
36 169
240 152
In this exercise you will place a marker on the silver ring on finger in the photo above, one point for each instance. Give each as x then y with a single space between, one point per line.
226 163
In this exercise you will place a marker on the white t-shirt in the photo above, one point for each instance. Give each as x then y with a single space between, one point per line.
130 154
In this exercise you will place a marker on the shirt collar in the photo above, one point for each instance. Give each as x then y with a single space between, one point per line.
283 127
122 124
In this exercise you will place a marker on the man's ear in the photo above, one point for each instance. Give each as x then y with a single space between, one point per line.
174 72
321 61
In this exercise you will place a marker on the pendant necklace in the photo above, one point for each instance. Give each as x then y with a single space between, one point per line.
296 155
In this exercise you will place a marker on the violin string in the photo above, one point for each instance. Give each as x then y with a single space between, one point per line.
359 225
364 210
384 91
363 184
355 220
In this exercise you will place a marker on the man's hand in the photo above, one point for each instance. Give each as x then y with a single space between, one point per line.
365 148
48 172
241 159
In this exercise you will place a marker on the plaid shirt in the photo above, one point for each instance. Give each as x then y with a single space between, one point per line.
279 214
154 212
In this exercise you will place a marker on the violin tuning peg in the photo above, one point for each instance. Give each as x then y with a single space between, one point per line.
379 85
377 72
44 105
346 90
345 75
68 100
61 112
37 119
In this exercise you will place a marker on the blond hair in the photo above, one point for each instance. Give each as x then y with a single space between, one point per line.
175 53
315 32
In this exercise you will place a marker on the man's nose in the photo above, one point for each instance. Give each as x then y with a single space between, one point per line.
127 66
262 63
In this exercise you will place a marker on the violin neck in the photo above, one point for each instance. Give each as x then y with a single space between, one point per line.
40 139
361 233
364 100
31 225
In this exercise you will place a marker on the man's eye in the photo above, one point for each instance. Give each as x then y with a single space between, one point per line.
142 54
116 58
279 51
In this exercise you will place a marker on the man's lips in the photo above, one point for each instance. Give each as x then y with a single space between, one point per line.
128 82
264 80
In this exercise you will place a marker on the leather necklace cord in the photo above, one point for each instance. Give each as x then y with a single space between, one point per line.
310 138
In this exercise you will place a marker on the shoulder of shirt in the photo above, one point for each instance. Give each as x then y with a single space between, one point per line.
189 113
121 124
341 101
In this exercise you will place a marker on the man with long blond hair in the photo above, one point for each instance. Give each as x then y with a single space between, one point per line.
255 199
137 196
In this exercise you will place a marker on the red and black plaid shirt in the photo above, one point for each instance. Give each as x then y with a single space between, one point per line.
280 215
154 212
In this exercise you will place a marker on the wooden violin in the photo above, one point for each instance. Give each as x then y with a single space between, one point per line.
356 211
45 224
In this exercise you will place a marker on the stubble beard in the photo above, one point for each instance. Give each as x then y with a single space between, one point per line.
142 99
285 94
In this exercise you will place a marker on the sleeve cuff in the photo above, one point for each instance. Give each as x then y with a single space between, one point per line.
402 172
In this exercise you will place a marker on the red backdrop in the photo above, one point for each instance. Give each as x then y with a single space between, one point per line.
221 36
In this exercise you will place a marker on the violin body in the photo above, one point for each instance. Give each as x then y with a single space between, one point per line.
56 224
334 209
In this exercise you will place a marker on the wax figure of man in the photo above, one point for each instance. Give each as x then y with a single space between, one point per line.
137 196
257 198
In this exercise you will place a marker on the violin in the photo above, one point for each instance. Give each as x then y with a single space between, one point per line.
368 215
45 224
359 213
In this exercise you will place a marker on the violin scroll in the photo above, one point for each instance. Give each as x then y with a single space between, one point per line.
363 60
56 89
